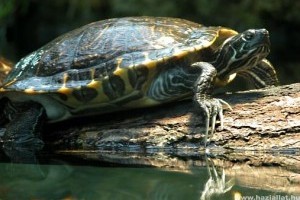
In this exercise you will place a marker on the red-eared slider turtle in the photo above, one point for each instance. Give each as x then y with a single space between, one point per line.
127 63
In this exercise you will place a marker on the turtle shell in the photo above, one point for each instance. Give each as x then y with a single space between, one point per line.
107 60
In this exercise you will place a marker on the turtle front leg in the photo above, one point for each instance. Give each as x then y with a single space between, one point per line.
211 107
24 127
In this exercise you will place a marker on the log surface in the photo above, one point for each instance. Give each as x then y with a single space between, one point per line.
264 119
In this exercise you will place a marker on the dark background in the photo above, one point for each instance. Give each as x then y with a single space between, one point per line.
26 25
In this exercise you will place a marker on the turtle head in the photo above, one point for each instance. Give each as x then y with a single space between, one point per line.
242 51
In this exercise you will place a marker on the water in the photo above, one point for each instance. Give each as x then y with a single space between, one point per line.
159 175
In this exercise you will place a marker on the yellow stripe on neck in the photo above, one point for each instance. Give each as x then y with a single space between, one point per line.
222 82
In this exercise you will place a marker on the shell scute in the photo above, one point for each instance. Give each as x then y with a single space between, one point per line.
109 59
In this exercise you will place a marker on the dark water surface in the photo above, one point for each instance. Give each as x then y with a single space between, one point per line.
109 175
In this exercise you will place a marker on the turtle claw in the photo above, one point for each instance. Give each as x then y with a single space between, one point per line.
226 104
213 108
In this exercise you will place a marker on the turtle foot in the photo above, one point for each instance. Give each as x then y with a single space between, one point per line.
212 108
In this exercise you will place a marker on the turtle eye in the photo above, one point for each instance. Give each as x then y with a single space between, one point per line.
249 35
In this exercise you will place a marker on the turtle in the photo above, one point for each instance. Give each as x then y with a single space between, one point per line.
127 63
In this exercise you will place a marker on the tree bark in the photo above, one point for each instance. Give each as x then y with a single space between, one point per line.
264 119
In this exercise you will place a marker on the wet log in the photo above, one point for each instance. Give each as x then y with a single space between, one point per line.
264 119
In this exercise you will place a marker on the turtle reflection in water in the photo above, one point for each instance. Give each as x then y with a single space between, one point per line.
127 63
